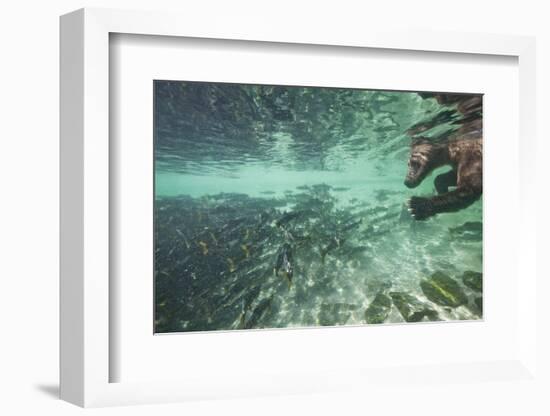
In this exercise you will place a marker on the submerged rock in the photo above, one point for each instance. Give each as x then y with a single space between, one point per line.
473 280
479 303
411 309
379 309
443 290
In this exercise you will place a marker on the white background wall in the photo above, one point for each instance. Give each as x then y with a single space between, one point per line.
29 180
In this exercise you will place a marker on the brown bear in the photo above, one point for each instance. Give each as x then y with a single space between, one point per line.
464 155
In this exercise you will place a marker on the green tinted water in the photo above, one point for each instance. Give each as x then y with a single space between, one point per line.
231 160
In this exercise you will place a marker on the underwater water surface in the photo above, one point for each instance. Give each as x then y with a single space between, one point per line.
280 207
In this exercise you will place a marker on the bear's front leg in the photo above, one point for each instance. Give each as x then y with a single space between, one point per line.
422 208
444 181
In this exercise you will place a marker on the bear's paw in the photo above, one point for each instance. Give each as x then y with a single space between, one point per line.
420 208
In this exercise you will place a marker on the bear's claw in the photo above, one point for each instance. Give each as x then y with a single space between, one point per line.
420 208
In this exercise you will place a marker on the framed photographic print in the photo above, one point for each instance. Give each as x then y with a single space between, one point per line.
227 198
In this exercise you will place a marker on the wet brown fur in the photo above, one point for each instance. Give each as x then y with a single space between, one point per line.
463 151
465 156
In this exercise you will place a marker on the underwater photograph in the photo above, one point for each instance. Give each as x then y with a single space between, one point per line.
292 207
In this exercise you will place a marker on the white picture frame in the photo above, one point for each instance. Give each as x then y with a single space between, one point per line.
85 220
